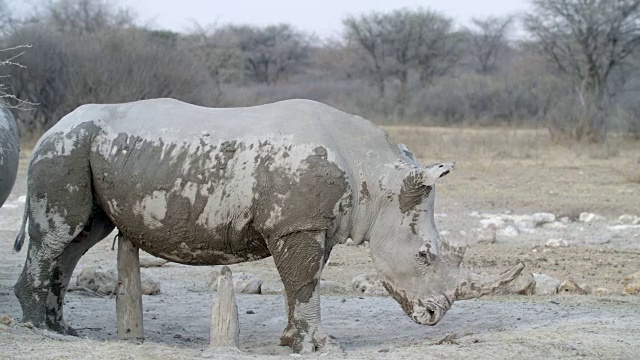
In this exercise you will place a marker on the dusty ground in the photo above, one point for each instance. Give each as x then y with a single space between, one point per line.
498 171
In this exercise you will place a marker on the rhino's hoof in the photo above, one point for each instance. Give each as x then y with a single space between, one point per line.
330 345
287 338
62 328
319 343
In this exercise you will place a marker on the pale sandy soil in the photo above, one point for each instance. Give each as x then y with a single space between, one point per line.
497 172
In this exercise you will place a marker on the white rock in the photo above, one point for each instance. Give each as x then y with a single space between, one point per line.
524 223
628 219
590 217
623 227
554 225
486 235
545 284
496 222
368 285
602 291
543 218
556 243
509 231
243 283
349 242
149 262
104 282
328 285
565 220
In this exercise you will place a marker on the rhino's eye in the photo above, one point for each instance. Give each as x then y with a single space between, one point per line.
425 256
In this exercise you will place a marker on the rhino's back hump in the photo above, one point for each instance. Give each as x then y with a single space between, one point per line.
304 118
350 137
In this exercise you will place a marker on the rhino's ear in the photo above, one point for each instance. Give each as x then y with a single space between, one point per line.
407 152
432 173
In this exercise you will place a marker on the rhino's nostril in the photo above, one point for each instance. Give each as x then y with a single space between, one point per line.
432 315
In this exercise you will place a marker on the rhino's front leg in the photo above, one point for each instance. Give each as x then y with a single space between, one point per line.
299 258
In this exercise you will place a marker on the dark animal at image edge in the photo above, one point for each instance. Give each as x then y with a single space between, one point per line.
9 153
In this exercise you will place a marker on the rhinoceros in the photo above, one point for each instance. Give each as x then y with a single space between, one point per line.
205 186
9 153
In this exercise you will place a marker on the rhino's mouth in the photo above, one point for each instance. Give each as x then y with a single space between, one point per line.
430 311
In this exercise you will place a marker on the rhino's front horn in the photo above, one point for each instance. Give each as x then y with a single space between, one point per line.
476 285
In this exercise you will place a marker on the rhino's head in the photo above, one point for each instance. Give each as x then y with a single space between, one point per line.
419 268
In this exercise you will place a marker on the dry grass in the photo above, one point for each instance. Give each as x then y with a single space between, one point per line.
522 170
485 143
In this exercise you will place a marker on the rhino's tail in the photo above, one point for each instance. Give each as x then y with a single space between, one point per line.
17 245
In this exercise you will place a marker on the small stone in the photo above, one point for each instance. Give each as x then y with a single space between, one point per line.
104 282
570 286
148 262
587 217
628 219
368 285
545 284
328 285
349 242
495 222
554 225
601 291
542 218
632 289
556 243
486 235
243 283
631 283
250 312
508 231
6 320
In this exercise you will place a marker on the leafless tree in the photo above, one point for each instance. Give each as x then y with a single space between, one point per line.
488 40
65 70
396 44
270 53
86 16
219 52
587 40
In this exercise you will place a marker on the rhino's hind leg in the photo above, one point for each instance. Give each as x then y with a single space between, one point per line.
43 283
299 258
63 224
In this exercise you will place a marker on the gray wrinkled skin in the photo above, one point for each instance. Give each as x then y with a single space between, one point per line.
205 186
9 153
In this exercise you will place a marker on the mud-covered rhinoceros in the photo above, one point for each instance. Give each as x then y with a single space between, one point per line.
206 186
9 153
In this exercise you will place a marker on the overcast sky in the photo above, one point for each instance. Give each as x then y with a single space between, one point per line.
323 17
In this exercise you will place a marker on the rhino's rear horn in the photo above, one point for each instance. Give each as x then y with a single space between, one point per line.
476 285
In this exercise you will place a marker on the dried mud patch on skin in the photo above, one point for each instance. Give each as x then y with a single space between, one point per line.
412 192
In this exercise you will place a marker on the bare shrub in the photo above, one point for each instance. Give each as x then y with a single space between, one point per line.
116 66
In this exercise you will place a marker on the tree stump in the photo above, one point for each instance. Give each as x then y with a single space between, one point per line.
128 292
225 329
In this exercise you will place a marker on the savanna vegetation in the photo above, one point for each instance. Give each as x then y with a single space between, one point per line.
573 68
